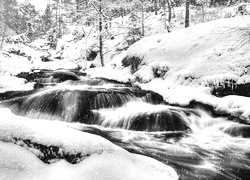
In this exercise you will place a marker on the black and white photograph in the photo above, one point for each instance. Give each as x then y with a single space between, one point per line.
124 89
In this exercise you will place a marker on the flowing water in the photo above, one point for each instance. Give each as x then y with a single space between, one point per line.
197 144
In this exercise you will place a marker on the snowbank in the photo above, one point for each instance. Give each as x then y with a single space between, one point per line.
123 75
12 83
100 158
55 65
204 54
13 64
25 51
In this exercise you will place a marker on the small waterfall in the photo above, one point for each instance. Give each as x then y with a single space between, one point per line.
141 116
75 103
237 130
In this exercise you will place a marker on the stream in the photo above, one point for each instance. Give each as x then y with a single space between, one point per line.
192 140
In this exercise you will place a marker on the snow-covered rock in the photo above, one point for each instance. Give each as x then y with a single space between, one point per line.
13 64
12 83
24 50
101 159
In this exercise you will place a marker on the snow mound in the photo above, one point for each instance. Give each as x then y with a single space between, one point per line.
12 64
12 83
102 158
236 106
205 54
24 50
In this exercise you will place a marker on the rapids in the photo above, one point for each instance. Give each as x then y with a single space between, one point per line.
195 142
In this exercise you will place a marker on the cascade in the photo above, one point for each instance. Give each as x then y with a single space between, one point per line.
142 116
74 102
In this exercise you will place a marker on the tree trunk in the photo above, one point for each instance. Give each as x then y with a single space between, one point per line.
142 18
169 11
203 12
77 5
173 12
3 36
100 31
59 20
187 14
77 9
165 14
56 25
155 7
123 16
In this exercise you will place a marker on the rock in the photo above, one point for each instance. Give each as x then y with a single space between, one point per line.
237 130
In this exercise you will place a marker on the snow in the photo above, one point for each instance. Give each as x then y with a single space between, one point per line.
54 65
104 160
12 64
201 52
108 72
12 83
236 106
25 50
18 163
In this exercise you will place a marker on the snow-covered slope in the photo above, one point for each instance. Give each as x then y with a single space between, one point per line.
22 140
203 54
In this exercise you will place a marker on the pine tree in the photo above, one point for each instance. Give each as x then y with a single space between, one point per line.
11 16
46 18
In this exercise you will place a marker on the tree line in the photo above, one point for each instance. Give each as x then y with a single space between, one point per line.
17 18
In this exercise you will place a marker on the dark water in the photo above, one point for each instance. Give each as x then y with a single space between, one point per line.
195 143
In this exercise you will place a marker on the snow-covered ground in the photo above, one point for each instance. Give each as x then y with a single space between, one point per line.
100 158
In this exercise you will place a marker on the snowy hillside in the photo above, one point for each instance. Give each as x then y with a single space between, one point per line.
204 54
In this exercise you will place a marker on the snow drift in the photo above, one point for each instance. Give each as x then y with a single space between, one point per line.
204 54
98 157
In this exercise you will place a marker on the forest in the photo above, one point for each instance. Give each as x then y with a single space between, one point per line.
22 22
